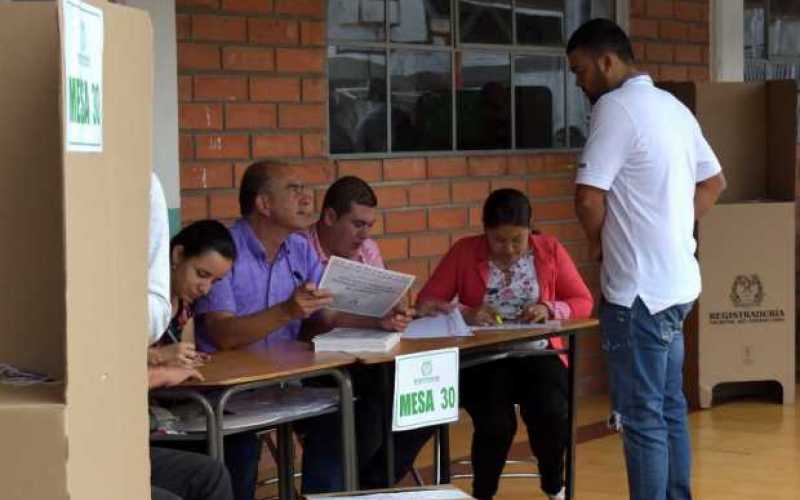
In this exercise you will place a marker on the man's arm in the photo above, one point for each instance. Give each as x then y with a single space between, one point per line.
707 193
590 206
229 331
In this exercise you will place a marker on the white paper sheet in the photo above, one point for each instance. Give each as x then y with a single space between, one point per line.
440 326
364 290
547 325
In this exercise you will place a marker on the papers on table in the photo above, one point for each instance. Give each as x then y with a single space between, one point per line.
356 340
442 325
364 290
547 325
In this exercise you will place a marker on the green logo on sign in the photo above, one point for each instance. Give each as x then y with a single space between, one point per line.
427 368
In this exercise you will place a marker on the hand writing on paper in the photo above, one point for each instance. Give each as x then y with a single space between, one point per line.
182 354
434 307
167 376
481 316
398 319
536 313
306 300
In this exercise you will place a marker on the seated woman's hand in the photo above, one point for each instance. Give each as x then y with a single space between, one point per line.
481 316
536 313
398 319
181 355
434 307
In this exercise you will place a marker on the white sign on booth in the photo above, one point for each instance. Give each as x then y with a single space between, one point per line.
425 389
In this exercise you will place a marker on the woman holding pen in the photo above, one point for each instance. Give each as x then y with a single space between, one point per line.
510 273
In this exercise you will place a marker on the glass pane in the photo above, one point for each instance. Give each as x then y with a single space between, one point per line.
363 20
421 101
357 103
484 100
784 28
485 21
422 21
539 102
540 22
577 12
754 19
579 110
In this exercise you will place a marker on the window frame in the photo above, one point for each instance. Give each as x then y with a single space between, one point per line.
454 47
769 59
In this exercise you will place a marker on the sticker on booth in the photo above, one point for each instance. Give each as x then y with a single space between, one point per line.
425 389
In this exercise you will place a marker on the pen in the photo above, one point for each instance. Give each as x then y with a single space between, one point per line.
298 277
498 319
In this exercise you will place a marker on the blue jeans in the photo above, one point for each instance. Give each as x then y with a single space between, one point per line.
645 366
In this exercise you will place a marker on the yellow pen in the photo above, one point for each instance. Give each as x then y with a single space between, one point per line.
498 319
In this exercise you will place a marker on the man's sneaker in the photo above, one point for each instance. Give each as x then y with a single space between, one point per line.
558 496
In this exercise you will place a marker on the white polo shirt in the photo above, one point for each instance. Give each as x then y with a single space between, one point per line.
646 149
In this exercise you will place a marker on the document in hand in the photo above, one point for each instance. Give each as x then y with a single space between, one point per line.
364 290
356 340
451 324
546 325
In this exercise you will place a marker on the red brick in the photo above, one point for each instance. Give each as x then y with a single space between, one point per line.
219 28
416 267
673 30
447 166
186 147
475 217
312 32
194 208
313 145
224 205
579 251
405 221
276 146
487 165
314 90
207 4
429 193
467 191
554 210
183 27
270 31
249 6
698 33
669 72
691 11
301 60
200 116
230 88
391 196
659 8
238 172
378 227
312 8
248 59
184 88
651 69
250 116
222 146
559 162
517 165
206 175
198 56
518 184
404 169
688 54
275 89
368 170
658 52
428 245
564 231
316 173
644 28
294 116
448 218
393 248
638 50
636 8
552 186
698 74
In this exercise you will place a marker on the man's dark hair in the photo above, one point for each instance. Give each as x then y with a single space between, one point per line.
599 36
506 207
255 182
203 236
348 190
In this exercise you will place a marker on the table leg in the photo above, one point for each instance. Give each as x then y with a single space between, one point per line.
572 400
388 402
285 462
442 454
348 428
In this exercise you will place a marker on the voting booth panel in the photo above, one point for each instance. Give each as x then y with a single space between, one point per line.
743 328
74 255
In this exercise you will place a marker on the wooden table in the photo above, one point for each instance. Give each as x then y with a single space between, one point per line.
491 344
257 367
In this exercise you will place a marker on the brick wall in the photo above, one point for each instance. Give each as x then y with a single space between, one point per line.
252 86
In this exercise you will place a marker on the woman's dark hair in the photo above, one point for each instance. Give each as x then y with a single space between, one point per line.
199 237
506 207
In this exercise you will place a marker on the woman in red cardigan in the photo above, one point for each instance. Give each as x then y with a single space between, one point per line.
511 274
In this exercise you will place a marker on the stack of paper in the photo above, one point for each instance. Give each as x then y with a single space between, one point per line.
356 340
451 324
552 324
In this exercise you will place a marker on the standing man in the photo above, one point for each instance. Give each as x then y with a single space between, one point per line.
646 174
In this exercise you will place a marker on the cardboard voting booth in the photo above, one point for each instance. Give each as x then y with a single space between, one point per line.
743 328
75 162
